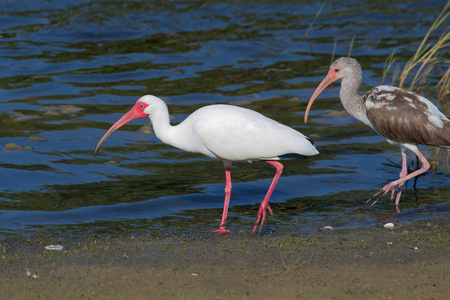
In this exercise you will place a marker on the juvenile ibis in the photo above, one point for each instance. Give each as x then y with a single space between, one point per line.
402 117
225 132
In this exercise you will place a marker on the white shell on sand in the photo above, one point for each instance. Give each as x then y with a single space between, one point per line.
54 247
389 225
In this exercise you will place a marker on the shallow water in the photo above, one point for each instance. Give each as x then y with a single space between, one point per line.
70 69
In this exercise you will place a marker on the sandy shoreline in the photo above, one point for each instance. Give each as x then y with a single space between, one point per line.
409 262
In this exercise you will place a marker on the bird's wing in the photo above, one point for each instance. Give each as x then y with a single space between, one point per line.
406 117
235 134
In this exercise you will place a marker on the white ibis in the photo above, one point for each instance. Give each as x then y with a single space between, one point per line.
225 132
402 117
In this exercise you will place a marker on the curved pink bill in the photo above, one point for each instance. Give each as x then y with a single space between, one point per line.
131 115
325 82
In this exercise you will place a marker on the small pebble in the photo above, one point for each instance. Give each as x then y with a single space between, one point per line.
21 117
36 138
146 129
54 247
32 275
62 109
240 102
14 146
389 225
328 228
70 109
52 113
338 113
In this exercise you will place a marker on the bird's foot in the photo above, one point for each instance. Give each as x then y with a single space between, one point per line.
390 187
261 216
221 230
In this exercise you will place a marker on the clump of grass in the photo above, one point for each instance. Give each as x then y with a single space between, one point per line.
429 59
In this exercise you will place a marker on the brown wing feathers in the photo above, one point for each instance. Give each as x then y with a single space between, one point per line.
405 117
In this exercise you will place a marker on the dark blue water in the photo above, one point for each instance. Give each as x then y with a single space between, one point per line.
70 69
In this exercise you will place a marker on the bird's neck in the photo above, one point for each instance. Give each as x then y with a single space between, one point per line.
352 102
160 119
178 136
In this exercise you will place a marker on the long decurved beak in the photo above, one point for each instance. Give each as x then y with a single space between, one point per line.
325 82
131 115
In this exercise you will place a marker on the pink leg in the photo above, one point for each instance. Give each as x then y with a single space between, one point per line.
265 203
390 187
403 173
222 228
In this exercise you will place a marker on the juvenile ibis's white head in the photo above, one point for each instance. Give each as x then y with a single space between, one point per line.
342 68
141 109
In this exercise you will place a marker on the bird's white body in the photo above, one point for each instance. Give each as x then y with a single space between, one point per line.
228 133
225 132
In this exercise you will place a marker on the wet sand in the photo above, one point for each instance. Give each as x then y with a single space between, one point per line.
409 262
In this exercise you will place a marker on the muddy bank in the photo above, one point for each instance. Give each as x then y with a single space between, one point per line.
409 262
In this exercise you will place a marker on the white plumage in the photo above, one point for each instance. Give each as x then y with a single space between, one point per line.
225 132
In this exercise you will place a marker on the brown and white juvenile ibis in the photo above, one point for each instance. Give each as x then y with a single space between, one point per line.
225 132
401 116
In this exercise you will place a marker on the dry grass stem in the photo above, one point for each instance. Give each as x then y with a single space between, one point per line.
334 51
387 65
444 84
351 46
314 20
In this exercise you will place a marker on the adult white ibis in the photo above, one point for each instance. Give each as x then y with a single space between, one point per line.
225 132
402 117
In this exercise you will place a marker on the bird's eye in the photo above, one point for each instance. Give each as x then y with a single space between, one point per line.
337 70
141 106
